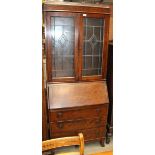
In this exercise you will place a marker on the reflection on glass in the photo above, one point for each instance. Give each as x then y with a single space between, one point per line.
62 31
92 48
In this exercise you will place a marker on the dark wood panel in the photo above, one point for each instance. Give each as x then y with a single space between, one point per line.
110 92
105 46
79 113
44 111
76 7
89 134
67 95
63 126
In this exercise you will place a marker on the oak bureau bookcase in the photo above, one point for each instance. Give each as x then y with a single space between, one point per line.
76 44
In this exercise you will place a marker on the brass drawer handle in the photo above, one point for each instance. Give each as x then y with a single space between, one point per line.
60 125
98 122
59 114
97 134
98 111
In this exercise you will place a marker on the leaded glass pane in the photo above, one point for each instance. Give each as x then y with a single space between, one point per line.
92 48
62 32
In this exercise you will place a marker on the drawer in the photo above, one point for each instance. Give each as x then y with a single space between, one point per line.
80 113
63 126
89 134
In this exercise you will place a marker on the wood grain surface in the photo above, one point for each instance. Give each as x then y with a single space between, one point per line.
65 126
65 141
81 106
78 113
89 134
67 95
76 7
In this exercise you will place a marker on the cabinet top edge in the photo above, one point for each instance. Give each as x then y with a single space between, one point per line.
78 4
81 7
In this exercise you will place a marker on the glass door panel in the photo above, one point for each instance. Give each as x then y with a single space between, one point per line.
63 43
92 46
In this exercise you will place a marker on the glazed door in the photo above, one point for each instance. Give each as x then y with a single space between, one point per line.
93 44
61 46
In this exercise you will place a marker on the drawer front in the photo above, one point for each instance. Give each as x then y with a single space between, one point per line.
63 126
89 134
94 111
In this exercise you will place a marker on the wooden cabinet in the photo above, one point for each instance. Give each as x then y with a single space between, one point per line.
76 41
78 107
76 45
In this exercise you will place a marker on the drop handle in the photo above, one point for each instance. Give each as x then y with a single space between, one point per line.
98 110
60 125
59 114
97 134
98 122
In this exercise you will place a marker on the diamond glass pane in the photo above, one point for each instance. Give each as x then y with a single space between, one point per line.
62 32
92 46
